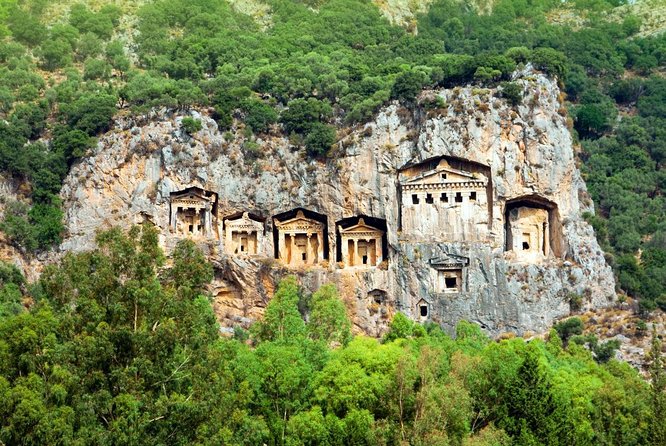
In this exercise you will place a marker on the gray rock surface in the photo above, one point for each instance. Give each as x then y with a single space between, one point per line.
528 149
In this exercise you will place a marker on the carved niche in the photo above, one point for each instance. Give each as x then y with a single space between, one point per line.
300 240
192 212
243 235
529 233
361 245
450 273
445 203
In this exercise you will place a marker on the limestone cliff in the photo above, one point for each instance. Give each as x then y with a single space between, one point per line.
492 193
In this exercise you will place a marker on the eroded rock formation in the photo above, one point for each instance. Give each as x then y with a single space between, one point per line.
476 205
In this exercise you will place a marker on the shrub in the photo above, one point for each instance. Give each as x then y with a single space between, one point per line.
408 84
512 92
191 125
301 114
568 328
319 139
259 116
91 113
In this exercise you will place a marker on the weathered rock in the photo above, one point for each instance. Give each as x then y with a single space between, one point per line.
527 151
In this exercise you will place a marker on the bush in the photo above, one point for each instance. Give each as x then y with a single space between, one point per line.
319 139
301 114
408 85
55 54
550 61
96 69
568 328
91 113
512 92
259 116
191 125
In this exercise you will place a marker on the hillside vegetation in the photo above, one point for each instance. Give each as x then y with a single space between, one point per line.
118 349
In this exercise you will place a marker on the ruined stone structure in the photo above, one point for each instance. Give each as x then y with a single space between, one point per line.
300 240
361 245
243 235
471 212
192 212
443 203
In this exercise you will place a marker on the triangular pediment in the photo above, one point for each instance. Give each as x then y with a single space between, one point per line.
449 261
193 193
244 222
437 176
360 227
300 221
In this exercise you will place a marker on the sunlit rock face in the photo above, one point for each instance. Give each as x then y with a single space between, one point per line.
468 211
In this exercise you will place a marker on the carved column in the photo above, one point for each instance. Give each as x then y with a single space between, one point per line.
282 246
320 247
344 249
355 256
378 250
209 220
308 250
228 241
293 249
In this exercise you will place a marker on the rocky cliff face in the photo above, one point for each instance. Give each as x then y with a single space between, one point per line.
469 163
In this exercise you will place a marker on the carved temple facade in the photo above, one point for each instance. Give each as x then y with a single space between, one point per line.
528 234
450 273
243 235
192 212
361 245
300 240
444 203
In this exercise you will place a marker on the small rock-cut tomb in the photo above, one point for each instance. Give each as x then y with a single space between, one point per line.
443 202
192 211
361 245
422 309
242 234
528 233
449 273
300 240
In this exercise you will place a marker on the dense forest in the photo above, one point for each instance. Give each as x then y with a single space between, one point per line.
117 349
65 75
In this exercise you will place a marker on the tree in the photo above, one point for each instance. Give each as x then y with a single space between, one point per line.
319 139
408 85
55 54
658 390
258 115
91 112
302 114
282 322
328 321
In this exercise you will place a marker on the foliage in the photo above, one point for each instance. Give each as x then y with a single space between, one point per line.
121 349
569 327
328 321
191 125
512 92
